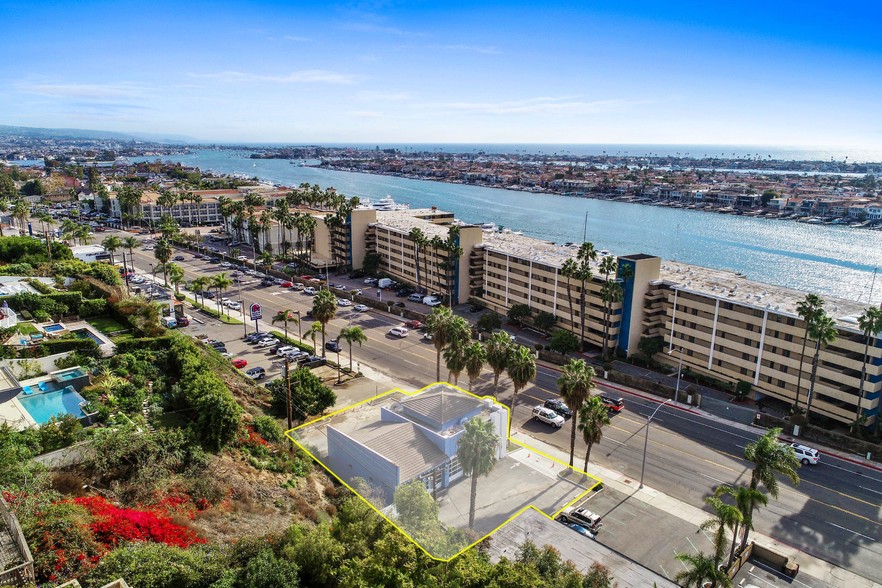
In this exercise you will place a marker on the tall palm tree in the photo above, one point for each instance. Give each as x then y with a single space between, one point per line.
726 516
701 568
521 369
285 316
769 458
823 332
575 384
220 283
352 335
454 352
46 222
808 309
499 350
21 210
417 237
474 356
586 255
4 208
198 286
130 243
324 307
870 323
439 324
175 275
593 416
477 450
313 331
111 244
744 497
163 252
82 234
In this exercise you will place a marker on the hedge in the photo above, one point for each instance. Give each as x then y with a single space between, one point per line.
83 346
128 344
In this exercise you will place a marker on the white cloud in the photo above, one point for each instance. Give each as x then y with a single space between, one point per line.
539 105
305 76
81 91
296 38
377 96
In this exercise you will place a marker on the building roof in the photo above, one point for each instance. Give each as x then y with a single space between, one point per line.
402 444
731 287
440 405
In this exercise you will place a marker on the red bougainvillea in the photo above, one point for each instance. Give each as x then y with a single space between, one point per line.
113 525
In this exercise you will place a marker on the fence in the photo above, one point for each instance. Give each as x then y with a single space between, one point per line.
23 573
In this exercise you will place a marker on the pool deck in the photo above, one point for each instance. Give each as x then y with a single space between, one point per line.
14 414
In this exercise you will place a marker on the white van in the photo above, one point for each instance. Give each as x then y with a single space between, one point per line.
431 301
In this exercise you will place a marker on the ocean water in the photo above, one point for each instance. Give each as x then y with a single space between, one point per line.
829 260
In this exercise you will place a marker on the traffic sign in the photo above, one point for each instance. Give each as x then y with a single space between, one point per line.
256 313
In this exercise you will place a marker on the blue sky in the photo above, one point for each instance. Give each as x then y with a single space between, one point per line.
750 73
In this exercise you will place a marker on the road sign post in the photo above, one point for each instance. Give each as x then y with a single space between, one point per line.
256 315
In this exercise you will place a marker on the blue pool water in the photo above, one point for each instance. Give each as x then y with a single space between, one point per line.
87 334
53 328
69 375
46 405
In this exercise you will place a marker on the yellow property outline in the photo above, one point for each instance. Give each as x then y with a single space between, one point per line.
291 435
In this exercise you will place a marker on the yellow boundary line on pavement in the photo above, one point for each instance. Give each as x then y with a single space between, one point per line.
292 435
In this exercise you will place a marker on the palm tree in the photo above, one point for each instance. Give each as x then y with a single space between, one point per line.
744 497
21 210
769 458
220 282
4 208
499 350
460 336
701 569
353 335
477 450
46 222
417 237
823 332
593 416
575 384
807 309
586 255
82 234
439 324
324 307
313 331
198 285
163 252
521 369
111 244
175 274
474 356
130 243
726 516
870 323
285 316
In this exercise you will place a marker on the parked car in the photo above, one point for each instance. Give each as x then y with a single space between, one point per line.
360 308
582 516
313 361
370 281
548 416
399 304
560 407
233 305
239 363
309 291
207 294
333 345
284 349
179 258
431 301
400 332
256 373
286 284
242 258
613 404
581 530
413 324
343 302
267 342
415 297
297 287
183 321
404 292
805 454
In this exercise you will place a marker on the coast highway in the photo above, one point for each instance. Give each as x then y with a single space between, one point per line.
833 514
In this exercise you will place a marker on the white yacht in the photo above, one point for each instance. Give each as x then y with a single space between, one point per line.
387 203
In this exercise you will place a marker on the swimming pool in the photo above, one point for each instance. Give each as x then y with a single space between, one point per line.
54 328
69 375
45 405
87 334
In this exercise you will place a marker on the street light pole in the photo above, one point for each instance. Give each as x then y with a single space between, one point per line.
679 372
646 439
299 330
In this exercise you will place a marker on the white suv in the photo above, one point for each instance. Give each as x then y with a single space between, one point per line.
548 416
582 516
806 454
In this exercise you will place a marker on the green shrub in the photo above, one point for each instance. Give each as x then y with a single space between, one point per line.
155 565
268 428
293 342
85 347
60 432
309 395
92 307
30 250
17 269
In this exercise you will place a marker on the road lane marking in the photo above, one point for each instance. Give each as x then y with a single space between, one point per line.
870 490
717 480
850 531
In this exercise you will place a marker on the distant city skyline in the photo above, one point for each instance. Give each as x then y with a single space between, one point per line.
271 72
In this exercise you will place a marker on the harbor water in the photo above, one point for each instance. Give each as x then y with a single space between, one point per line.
829 260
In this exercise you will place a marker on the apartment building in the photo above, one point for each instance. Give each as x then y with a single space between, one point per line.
736 330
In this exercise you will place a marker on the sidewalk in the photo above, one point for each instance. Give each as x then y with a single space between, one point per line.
821 570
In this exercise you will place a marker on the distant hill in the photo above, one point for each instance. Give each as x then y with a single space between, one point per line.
40 133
